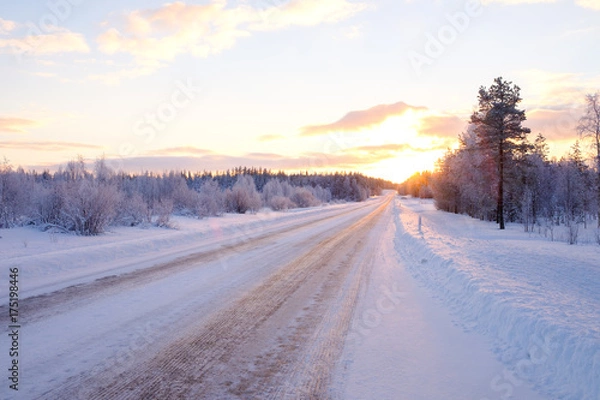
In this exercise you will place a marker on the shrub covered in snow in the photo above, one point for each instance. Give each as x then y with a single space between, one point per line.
280 203
89 207
243 196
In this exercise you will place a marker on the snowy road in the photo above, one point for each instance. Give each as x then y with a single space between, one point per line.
262 316
319 304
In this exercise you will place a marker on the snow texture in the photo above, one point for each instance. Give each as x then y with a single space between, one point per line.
538 301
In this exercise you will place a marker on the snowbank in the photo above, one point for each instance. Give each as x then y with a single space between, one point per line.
539 302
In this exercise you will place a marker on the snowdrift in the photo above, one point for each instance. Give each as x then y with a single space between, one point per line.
538 302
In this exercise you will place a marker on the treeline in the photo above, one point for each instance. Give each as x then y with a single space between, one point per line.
86 202
499 174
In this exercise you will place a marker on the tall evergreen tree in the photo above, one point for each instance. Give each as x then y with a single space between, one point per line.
499 130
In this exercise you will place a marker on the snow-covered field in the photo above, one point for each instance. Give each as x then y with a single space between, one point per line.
347 301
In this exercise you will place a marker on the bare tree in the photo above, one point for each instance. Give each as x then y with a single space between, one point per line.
589 128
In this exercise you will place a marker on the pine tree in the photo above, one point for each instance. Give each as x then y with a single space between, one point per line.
499 131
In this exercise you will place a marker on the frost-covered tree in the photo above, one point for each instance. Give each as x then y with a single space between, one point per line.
498 126
303 198
102 171
272 188
133 211
589 129
536 186
89 206
211 200
243 196
16 188
464 182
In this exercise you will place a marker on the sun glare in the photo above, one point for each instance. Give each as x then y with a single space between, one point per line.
414 151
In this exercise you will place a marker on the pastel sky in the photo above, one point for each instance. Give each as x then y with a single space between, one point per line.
382 87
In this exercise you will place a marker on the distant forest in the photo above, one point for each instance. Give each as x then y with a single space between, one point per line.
75 199
499 174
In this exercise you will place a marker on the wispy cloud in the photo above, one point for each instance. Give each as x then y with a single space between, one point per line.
57 41
516 2
446 126
352 158
554 124
270 138
16 125
357 120
589 4
6 26
48 146
187 150
154 37
554 101
391 150
306 13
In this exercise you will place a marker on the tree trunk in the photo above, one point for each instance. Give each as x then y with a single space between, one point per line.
500 209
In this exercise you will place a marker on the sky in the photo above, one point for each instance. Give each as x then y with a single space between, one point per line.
380 87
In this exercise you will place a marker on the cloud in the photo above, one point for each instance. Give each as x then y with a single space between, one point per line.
16 125
6 26
554 101
446 126
591 4
391 150
356 120
47 146
222 162
554 124
554 90
190 150
516 2
154 37
306 13
270 138
60 40
196 159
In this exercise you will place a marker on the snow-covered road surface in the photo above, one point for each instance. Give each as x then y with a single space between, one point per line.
342 302
240 318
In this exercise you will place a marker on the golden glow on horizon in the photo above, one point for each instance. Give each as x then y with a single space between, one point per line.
415 151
